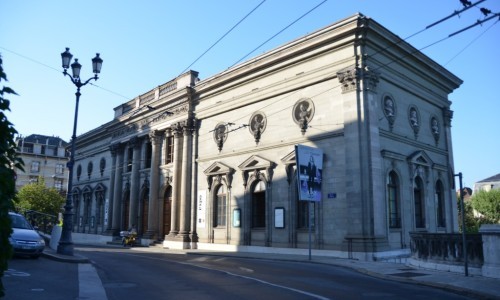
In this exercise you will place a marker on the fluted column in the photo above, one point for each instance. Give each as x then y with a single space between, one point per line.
134 184
185 203
174 228
156 139
108 213
117 191
194 183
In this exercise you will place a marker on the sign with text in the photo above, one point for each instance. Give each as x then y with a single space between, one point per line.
309 172
202 204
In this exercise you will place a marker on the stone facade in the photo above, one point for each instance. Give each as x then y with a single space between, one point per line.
211 163
44 158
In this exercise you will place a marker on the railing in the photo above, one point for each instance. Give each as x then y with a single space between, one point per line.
446 248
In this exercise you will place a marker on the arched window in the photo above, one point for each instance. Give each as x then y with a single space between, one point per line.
393 201
418 196
259 205
220 203
439 197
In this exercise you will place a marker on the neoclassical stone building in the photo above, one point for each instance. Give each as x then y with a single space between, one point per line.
211 163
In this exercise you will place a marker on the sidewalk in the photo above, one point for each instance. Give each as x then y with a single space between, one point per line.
474 286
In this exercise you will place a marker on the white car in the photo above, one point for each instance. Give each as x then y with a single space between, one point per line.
24 239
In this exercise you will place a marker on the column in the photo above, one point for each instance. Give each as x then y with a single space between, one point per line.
108 226
134 184
185 203
117 190
176 173
194 185
156 139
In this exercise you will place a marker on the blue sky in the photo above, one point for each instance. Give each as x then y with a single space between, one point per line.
147 43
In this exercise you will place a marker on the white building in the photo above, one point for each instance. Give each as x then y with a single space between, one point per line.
211 163
44 158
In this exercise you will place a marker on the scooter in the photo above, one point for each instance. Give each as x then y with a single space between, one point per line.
128 238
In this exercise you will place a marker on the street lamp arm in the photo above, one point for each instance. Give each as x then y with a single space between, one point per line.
77 81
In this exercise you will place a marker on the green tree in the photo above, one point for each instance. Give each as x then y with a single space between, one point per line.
487 203
36 196
9 160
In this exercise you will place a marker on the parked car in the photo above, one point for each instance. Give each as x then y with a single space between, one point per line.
25 239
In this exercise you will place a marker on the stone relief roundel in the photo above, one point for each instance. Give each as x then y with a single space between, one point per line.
257 121
389 106
220 132
303 109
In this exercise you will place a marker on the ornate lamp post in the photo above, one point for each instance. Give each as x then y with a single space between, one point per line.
65 243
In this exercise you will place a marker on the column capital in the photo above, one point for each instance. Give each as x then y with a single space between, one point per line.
155 136
134 142
448 115
114 149
350 76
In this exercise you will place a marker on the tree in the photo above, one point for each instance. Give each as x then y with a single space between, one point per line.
487 204
36 196
9 161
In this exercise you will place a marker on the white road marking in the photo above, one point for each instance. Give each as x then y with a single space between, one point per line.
236 275
90 285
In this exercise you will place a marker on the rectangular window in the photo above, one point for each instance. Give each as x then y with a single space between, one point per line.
58 184
130 157
170 150
221 211
59 169
35 166
149 153
305 211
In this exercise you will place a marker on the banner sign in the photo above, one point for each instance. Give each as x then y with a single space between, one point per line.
202 206
309 172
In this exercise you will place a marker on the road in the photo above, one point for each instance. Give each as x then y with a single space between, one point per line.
129 274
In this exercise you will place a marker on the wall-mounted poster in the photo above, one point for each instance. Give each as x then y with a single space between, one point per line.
309 172
237 217
200 214
279 217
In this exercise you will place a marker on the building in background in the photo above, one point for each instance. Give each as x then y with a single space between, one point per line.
211 164
44 157
488 184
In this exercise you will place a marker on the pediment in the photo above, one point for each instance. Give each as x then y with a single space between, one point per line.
289 158
256 162
218 168
100 188
420 158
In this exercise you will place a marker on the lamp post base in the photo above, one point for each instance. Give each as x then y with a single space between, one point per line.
65 248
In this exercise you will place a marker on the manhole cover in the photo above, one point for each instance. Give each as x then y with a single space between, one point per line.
408 274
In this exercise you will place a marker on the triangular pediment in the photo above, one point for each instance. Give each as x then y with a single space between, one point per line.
289 158
420 158
255 162
218 168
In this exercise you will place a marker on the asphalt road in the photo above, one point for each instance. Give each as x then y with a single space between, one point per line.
127 274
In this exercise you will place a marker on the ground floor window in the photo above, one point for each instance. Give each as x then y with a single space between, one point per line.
220 204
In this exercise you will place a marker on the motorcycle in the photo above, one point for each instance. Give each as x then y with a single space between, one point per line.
128 237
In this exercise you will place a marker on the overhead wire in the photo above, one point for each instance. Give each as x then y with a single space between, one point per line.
279 32
59 71
400 58
223 36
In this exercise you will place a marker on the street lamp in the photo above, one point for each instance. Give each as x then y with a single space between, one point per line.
464 239
65 243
